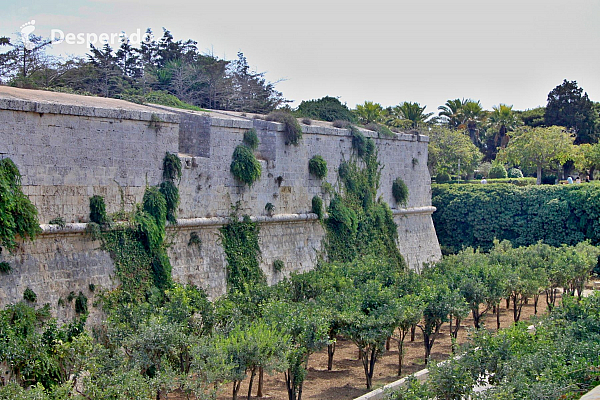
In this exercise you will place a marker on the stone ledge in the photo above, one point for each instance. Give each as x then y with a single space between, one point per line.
71 228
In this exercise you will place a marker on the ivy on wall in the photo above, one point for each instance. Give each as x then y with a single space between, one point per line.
360 225
242 252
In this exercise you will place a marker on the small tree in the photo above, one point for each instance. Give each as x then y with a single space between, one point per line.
538 148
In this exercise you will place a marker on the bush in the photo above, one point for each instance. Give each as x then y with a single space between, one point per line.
292 129
317 206
442 177
81 304
473 215
549 180
5 267
251 139
60 221
515 173
269 208
339 123
278 265
29 295
97 210
497 172
326 109
244 166
400 191
318 166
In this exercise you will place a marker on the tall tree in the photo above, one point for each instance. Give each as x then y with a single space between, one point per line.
570 107
472 115
501 120
539 148
448 148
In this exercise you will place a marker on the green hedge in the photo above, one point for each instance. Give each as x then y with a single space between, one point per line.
473 215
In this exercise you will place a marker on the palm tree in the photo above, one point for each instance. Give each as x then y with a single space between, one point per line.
412 112
450 111
503 119
368 112
471 115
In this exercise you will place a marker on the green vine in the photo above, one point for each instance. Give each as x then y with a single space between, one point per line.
358 224
292 129
242 252
400 191
97 210
317 206
251 139
18 215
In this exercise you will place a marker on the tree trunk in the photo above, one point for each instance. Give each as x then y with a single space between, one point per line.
252 374
259 390
498 317
236 388
330 353
536 298
539 175
412 332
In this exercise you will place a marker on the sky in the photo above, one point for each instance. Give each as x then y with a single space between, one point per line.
425 51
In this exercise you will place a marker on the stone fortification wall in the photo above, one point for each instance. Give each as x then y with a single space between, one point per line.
69 148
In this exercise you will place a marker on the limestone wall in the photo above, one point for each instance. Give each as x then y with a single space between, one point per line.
69 148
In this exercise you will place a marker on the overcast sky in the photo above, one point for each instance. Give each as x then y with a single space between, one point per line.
511 52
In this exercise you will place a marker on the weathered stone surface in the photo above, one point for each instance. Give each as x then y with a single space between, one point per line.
69 148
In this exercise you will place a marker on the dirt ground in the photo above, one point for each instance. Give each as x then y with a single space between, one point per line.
347 380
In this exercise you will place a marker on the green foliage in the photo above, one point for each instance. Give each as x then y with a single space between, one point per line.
533 117
368 112
60 221
251 139
269 208
244 165
400 191
156 97
447 148
81 306
171 167
170 193
325 109
92 287
317 206
5 267
242 251
155 204
514 173
278 265
97 210
358 224
473 215
359 142
29 295
568 106
442 177
292 129
195 240
498 172
318 166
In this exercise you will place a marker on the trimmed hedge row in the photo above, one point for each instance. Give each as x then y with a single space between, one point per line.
473 215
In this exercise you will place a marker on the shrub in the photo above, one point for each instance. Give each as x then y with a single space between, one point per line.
340 123
306 121
171 167
97 210
292 129
251 139
514 173
244 166
81 304
400 191
497 172
442 177
171 194
318 166
269 208
475 215
155 205
92 287
195 240
549 180
278 265
29 295
317 206
5 267
60 221
326 109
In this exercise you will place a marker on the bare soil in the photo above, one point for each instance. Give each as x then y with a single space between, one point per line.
347 380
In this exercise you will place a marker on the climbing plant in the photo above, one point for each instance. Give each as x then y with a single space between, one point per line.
400 191
171 172
251 139
244 165
240 242
358 224
292 129
318 166
97 210
18 216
